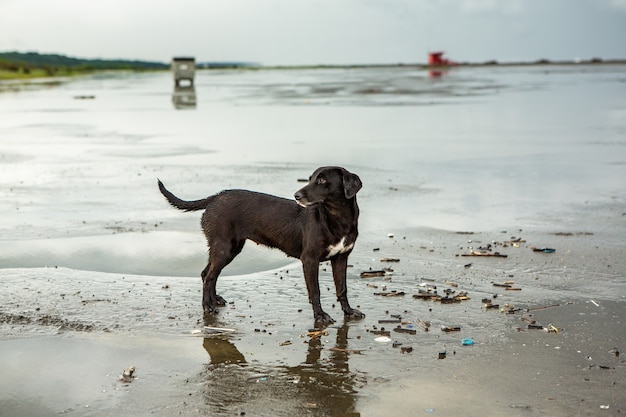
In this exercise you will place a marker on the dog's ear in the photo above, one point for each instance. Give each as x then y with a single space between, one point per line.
351 183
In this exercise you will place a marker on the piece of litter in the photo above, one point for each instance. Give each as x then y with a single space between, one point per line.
604 407
127 375
594 303
215 330
467 341
372 274
389 259
544 250
383 339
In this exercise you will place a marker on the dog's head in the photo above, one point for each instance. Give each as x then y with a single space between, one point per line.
329 184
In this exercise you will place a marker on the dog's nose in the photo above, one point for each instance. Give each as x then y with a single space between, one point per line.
297 195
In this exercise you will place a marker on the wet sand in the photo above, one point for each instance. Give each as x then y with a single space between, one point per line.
99 274
68 337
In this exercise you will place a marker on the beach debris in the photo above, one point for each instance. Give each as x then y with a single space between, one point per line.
594 303
507 285
383 339
354 351
572 234
449 297
390 259
453 328
604 407
454 299
286 343
544 249
406 330
514 241
395 320
452 284
393 293
442 354
128 375
212 331
467 341
374 273
424 296
551 329
406 349
485 254
510 309
424 324
381 332
314 333
520 406
615 351
390 235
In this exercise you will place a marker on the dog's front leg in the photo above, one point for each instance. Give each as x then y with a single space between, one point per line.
340 267
311 276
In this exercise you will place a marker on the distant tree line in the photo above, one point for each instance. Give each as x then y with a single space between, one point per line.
19 62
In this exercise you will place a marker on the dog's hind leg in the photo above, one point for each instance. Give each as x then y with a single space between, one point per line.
340 266
208 284
220 255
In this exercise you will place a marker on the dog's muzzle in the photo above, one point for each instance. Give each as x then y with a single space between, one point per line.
302 200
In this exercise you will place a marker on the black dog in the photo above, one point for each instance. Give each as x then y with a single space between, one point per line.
321 226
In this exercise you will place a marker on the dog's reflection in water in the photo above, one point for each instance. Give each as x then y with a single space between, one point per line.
321 385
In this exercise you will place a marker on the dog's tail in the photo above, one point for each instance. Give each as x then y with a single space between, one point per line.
182 204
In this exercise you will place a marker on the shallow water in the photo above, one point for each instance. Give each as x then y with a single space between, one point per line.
100 273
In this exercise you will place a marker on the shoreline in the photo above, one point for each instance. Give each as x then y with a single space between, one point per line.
41 74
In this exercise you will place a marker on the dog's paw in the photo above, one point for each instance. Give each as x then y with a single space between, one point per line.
219 300
354 314
210 309
323 318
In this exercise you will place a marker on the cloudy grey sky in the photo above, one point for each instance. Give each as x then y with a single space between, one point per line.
317 31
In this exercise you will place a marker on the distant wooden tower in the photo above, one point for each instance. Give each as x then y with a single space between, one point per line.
184 70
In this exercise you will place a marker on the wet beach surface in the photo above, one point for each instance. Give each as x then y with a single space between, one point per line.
99 273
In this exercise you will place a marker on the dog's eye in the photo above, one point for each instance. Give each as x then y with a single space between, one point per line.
321 181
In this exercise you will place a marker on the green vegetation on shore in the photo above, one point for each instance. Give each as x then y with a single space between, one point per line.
17 65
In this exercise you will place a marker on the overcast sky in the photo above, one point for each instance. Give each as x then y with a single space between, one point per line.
317 31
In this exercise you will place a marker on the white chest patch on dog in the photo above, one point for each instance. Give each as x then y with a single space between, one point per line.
339 247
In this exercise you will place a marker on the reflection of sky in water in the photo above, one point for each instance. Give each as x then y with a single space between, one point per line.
477 149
